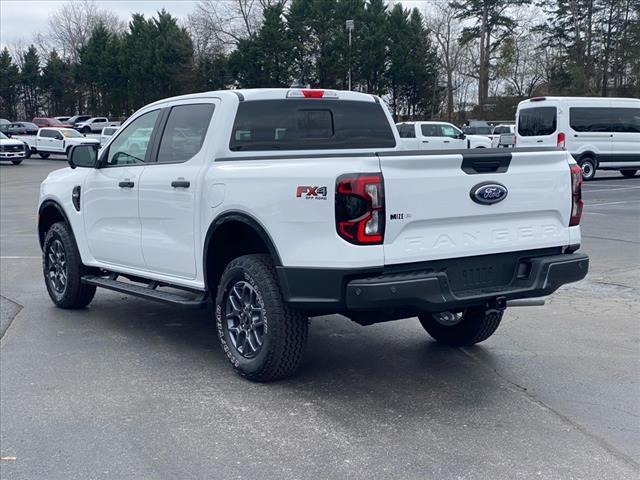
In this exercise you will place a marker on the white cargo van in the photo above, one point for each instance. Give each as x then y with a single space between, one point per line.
600 133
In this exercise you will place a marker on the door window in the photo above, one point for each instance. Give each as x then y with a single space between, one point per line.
430 130
537 121
184 132
131 145
450 131
626 120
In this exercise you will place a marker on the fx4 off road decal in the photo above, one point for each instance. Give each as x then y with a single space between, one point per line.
311 192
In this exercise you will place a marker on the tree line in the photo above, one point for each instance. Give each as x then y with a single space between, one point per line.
457 58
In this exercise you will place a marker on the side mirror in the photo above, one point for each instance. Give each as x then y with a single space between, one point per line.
84 156
461 136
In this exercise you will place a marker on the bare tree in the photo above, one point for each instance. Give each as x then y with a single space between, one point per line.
218 25
71 25
520 64
446 30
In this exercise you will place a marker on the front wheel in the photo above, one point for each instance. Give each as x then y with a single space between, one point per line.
263 338
628 173
467 327
27 152
63 269
16 162
43 155
588 166
86 130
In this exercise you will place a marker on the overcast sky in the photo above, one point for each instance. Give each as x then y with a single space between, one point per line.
20 20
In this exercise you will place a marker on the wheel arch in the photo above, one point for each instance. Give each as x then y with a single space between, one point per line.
49 213
249 236
587 154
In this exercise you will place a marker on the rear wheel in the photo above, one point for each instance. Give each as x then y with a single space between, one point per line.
43 155
466 327
63 269
588 166
628 173
263 338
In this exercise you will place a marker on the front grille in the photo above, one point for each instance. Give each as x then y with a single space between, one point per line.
11 148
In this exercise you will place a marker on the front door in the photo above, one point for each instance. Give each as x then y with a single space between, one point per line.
110 196
430 136
451 138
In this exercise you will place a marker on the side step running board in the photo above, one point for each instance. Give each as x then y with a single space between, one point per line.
150 292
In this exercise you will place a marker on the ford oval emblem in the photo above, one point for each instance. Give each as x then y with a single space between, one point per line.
488 193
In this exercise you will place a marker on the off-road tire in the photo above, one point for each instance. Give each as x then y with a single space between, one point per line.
75 294
588 166
476 326
285 334
628 173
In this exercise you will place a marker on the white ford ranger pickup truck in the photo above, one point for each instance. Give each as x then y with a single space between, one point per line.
277 205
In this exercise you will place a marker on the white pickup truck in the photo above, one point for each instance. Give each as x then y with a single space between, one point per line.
95 125
12 150
278 205
437 136
54 140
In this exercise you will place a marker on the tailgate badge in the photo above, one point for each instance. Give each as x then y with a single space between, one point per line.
488 193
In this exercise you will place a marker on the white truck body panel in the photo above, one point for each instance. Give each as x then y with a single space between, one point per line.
158 232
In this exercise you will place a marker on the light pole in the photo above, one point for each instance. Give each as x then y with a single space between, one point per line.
350 25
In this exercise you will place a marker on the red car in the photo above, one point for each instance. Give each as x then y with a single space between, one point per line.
47 122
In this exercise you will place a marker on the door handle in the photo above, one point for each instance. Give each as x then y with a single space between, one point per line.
126 184
539 141
446 141
425 141
180 183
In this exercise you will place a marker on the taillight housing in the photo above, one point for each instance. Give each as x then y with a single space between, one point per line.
562 140
360 213
576 195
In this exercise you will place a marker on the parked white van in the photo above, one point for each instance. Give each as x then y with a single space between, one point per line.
600 133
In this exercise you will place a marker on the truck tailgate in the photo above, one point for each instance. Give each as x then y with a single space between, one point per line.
431 212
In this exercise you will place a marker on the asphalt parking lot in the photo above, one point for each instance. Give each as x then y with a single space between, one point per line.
132 389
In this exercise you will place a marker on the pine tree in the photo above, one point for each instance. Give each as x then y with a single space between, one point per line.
9 86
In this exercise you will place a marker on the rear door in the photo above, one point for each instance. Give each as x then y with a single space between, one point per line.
590 128
169 187
537 124
430 136
431 213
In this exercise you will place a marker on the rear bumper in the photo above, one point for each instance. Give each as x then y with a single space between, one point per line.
433 286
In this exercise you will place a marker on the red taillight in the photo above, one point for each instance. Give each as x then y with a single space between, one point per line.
360 214
576 195
561 140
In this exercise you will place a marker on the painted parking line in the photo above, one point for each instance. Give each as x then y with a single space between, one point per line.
613 189
610 203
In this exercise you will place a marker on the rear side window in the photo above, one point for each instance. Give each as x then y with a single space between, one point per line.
309 125
407 131
533 122
47 133
500 130
184 132
590 119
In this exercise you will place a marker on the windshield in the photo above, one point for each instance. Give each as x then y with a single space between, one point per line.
71 133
